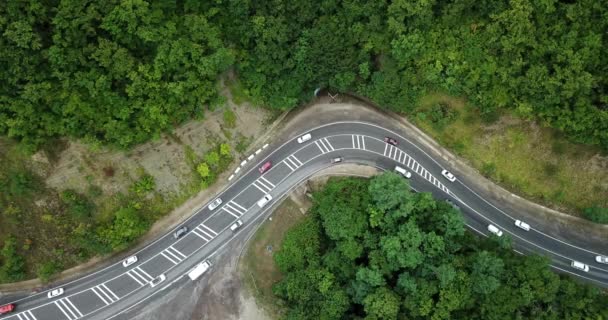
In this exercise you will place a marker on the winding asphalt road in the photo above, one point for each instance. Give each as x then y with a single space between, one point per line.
114 290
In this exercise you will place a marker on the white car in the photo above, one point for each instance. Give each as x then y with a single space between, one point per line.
129 261
601 259
236 225
448 175
336 160
522 225
403 172
265 199
55 293
494 230
214 204
304 138
580 266
156 281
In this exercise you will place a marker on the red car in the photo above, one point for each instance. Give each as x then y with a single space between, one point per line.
7 308
390 140
265 167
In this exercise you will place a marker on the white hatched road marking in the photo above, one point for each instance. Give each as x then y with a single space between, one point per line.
358 142
292 162
267 181
168 258
322 146
262 185
99 295
65 304
175 254
234 208
204 226
134 278
255 185
233 214
178 252
327 144
196 232
205 233
26 315
231 202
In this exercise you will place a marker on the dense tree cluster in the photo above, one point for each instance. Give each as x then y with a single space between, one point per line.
121 71
113 71
371 249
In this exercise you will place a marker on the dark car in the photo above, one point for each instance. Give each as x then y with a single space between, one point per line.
265 167
390 140
180 232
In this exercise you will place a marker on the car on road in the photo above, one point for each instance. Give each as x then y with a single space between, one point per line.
580 266
304 138
180 232
522 225
390 140
7 308
403 172
129 261
265 167
601 259
214 204
336 160
448 175
236 225
492 228
55 293
156 281
265 199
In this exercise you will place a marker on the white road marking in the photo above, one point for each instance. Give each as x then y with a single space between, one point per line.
385 148
178 252
63 311
238 205
134 278
26 315
255 185
287 164
204 226
327 144
94 289
139 269
262 184
267 181
235 209
205 233
168 258
233 214
67 300
320 148
196 232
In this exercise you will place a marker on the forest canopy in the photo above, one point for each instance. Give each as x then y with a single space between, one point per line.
372 249
120 72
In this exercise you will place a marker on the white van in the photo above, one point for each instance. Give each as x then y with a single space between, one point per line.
265 199
236 225
200 268
403 172
580 266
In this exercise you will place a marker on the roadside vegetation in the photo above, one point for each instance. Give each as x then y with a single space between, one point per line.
373 249
528 159
258 270
46 227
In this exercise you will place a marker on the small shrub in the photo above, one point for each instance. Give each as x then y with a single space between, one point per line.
78 206
13 265
48 269
550 169
212 159
596 214
144 185
229 118
203 170
488 169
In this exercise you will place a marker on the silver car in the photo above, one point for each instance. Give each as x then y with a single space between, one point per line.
180 232
214 204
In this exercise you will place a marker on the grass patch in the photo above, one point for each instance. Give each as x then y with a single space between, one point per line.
520 155
258 268
238 91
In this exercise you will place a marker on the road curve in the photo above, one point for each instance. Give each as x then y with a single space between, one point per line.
109 292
